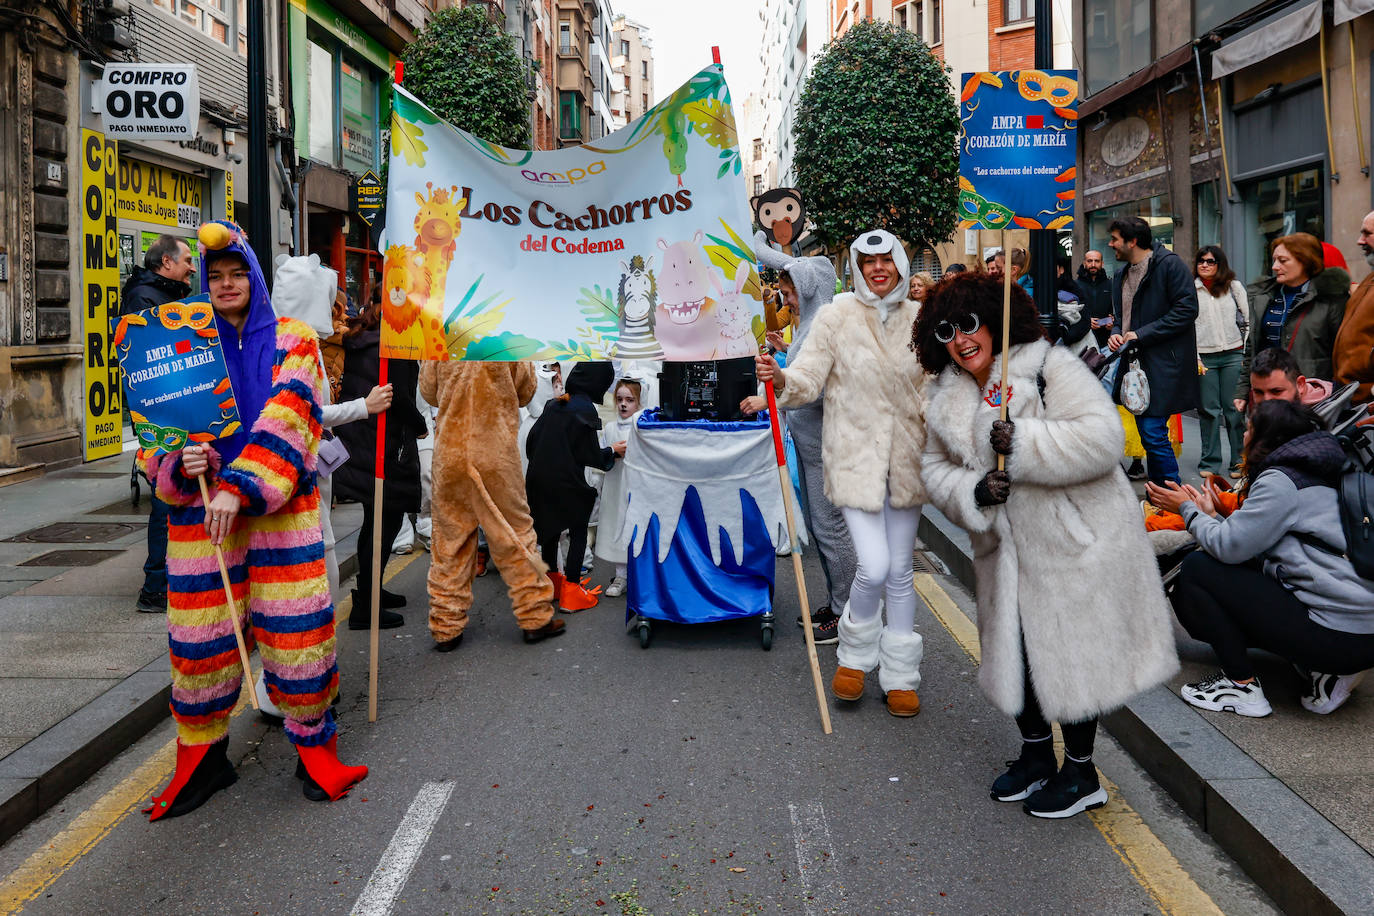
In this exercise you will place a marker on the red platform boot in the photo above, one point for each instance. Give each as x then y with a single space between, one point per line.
202 770
558 582
324 776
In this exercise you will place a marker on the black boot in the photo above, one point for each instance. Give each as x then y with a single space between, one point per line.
360 617
391 599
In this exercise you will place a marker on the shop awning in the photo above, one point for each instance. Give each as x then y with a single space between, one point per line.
1347 10
1143 77
1264 40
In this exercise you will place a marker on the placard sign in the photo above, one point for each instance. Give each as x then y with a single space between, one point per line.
1016 150
631 247
149 101
100 295
369 194
174 373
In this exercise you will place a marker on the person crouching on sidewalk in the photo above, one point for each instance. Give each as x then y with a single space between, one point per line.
561 445
871 438
1057 646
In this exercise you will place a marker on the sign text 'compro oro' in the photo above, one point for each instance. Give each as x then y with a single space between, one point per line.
149 101
100 294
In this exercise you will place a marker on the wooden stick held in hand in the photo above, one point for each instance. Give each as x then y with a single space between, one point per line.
233 605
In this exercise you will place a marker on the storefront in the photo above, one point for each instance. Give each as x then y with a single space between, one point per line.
341 86
155 199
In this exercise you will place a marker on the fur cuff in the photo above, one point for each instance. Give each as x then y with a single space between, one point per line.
858 648
899 660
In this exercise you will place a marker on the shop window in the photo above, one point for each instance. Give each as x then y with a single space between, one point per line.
320 76
1281 205
1154 210
1017 11
357 116
1208 214
927 260
1116 40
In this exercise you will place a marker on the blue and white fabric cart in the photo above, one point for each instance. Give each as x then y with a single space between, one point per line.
704 523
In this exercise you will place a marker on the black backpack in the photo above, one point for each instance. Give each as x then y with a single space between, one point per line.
1355 493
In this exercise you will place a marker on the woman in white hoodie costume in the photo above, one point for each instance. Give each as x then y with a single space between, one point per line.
858 354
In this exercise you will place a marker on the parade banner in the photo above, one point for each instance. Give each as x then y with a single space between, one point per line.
1016 150
631 247
103 434
175 376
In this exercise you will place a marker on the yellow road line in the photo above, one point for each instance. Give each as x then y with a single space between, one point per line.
42 869
1149 861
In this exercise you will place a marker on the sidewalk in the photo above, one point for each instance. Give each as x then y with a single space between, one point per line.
82 674
1290 797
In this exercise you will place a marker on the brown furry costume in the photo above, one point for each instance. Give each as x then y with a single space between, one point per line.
478 481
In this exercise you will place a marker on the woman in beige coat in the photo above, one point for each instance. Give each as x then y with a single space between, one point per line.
858 355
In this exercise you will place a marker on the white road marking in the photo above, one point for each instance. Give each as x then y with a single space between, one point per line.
822 892
392 872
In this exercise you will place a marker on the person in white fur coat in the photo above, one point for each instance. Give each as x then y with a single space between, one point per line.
857 352
1057 644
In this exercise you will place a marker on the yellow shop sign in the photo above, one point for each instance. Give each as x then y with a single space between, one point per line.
160 195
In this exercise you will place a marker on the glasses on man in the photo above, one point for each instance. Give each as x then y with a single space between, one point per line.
968 324
1207 260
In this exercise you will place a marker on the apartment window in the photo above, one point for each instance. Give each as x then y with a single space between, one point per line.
937 31
1017 11
758 149
624 48
214 18
899 18
918 20
569 116
1117 40
758 185
565 37
645 99
644 69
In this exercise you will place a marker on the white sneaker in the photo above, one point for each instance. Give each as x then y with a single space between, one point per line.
265 704
616 588
1221 694
1327 693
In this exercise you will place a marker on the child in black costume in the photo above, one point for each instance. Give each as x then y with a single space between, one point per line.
561 445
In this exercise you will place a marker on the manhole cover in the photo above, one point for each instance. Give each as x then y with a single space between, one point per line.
71 558
75 533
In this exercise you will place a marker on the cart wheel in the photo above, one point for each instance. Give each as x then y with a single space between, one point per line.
766 637
644 634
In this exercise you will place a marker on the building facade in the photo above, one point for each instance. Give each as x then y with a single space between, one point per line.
1226 122
583 78
632 59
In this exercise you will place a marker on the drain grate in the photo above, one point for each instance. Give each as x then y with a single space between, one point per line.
921 564
72 558
74 533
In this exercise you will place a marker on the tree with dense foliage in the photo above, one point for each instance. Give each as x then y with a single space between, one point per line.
465 67
877 139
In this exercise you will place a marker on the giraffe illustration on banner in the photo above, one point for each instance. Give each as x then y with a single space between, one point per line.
414 278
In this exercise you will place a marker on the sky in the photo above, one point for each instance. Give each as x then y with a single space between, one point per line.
683 33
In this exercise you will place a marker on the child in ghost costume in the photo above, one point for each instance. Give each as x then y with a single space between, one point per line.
629 396
858 354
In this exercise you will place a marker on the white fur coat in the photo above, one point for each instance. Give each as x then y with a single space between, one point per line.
1065 564
874 430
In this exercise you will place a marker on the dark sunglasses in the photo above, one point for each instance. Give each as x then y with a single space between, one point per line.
1206 260
968 324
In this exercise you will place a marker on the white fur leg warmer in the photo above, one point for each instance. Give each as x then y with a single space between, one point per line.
858 648
899 660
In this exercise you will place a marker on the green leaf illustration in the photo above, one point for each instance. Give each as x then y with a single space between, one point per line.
713 121
506 346
405 139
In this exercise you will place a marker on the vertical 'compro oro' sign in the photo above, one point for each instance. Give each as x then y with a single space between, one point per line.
1016 150
149 101
100 293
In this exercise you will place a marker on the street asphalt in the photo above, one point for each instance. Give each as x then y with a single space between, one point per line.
587 775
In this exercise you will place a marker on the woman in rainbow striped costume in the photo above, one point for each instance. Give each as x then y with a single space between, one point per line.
265 513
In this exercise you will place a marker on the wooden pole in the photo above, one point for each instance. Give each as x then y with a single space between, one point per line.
379 478
785 480
1006 335
233 605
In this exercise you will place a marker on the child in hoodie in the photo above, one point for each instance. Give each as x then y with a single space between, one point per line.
561 445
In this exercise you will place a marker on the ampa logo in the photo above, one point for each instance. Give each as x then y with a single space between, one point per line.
570 177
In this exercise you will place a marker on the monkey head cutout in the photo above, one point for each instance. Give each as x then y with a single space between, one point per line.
780 214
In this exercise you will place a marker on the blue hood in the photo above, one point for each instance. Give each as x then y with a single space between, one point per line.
250 355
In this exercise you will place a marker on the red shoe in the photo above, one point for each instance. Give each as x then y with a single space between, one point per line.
558 582
575 596
202 770
325 774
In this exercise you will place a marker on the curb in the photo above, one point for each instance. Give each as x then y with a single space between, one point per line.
1298 857
37 775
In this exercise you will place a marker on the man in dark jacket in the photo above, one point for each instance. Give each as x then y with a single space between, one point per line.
161 279
1096 285
1154 305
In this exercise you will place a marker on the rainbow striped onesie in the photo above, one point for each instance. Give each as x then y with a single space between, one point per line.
275 555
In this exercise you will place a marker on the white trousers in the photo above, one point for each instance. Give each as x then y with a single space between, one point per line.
884 542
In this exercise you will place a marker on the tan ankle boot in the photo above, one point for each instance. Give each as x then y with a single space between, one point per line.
903 703
847 684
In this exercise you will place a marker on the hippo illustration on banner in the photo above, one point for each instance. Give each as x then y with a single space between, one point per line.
686 326
734 317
